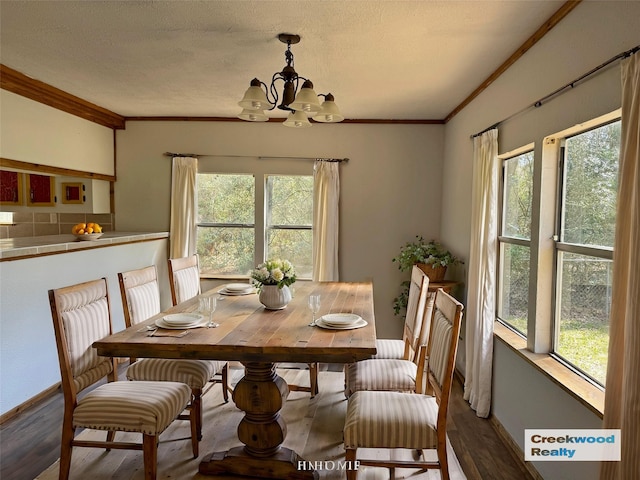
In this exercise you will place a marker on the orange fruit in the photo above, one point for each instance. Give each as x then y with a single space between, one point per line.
89 230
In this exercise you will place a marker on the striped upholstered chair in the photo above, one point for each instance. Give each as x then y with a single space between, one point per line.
395 366
81 315
395 420
407 347
184 278
141 300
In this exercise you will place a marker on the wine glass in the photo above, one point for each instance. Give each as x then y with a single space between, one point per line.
314 306
207 307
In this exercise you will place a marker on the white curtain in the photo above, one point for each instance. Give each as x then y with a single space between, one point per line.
622 394
480 313
182 231
326 197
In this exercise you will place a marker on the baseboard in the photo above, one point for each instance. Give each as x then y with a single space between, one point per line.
9 414
516 451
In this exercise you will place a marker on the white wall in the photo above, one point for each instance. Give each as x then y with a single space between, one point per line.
36 133
28 355
587 37
390 188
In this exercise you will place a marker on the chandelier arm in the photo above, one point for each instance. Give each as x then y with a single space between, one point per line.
272 91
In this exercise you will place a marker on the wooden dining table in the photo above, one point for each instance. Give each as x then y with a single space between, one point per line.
259 339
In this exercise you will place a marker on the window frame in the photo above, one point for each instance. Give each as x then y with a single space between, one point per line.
267 218
544 248
259 167
562 246
510 240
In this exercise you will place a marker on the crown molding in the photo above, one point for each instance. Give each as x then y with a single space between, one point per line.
20 84
551 22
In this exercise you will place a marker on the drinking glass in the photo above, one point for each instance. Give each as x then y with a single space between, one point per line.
314 306
207 307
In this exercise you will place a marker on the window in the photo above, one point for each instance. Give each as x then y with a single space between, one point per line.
289 220
226 223
588 185
514 241
242 222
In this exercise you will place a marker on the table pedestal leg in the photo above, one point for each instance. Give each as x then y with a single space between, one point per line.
260 394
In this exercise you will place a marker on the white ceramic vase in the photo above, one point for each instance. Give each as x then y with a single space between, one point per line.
274 298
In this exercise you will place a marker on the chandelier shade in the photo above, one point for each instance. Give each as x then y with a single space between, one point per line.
253 115
301 104
329 113
254 98
307 100
297 119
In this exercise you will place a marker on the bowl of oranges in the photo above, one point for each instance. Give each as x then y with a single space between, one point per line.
87 231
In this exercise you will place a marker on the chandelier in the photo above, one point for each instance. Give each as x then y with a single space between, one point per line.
300 104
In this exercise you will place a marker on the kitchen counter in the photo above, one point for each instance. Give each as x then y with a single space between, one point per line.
25 247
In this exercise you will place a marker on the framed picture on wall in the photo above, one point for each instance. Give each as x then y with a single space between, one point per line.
72 193
40 190
10 188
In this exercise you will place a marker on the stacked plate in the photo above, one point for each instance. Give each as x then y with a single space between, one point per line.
341 321
237 289
178 321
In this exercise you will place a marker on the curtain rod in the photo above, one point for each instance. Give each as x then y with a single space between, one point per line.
563 89
172 154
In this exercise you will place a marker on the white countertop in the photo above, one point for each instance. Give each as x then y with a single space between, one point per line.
15 248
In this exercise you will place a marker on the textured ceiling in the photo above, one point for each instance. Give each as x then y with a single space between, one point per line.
380 59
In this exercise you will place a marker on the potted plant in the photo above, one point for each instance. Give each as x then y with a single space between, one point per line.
431 257
273 278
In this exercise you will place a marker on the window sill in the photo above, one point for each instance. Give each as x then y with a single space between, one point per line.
587 394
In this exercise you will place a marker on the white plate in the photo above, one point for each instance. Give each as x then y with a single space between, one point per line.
182 319
238 287
224 291
163 324
358 324
340 319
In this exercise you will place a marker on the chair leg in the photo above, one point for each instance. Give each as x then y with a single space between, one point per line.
65 450
313 379
225 382
150 455
110 436
196 406
195 441
350 457
442 459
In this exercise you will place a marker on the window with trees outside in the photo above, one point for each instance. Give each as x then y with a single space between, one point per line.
237 229
289 220
514 241
588 186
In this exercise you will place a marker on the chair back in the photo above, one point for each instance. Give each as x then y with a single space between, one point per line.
442 348
140 294
414 320
81 315
184 278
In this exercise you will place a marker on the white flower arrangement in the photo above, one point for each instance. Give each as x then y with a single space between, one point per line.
273 272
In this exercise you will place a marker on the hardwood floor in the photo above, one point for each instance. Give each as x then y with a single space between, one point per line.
30 442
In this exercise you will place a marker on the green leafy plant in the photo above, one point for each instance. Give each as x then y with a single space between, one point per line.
420 251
